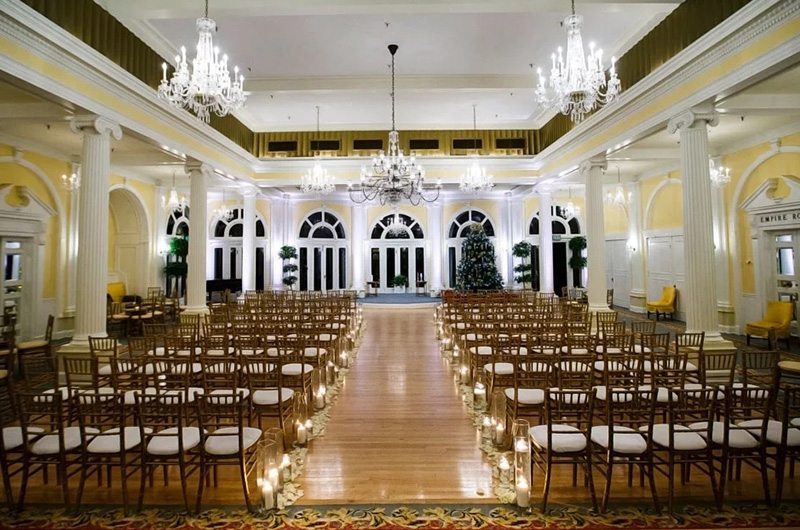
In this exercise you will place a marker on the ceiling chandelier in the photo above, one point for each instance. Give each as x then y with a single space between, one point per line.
720 175
475 179
223 212
576 86
393 177
316 179
173 202
571 210
619 197
206 87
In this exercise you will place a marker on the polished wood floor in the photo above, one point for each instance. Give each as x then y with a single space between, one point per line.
399 433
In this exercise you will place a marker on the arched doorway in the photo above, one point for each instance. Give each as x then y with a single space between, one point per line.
457 230
225 247
565 227
322 253
129 240
397 246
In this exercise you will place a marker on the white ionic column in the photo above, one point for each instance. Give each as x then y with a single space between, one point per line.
545 241
435 220
358 239
699 297
718 213
635 251
199 175
91 273
249 240
72 245
592 171
276 240
503 250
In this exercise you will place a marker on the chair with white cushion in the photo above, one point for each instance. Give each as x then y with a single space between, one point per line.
783 436
533 374
692 345
106 441
683 440
11 446
268 395
170 437
667 373
225 440
47 440
565 437
626 437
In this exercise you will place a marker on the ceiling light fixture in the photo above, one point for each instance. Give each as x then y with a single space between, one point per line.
222 212
576 86
173 202
207 87
475 179
316 179
571 210
393 177
619 197
719 174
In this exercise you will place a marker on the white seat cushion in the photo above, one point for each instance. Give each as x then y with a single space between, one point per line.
269 396
48 444
481 350
774 432
12 436
662 394
626 440
683 441
691 367
619 397
638 348
313 352
189 394
64 391
737 438
296 369
566 438
499 368
225 441
240 393
326 337
527 396
129 397
108 441
165 442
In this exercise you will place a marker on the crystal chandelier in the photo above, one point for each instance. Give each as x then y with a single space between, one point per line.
576 86
475 179
222 212
720 175
316 179
393 177
571 210
72 181
173 201
208 86
619 197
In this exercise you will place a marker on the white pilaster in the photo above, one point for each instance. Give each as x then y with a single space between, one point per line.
545 240
249 240
72 245
699 299
160 242
276 207
358 238
721 247
92 261
199 175
592 171
503 250
435 221
635 250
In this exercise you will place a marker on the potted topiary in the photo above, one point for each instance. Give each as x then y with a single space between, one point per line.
524 270
577 261
287 253
400 283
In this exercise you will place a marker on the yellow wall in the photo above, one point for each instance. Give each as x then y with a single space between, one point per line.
615 219
666 210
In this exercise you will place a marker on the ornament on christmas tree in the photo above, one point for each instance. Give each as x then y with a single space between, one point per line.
478 268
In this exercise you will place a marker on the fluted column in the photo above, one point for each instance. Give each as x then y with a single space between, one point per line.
635 251
276 239
545 240
592 171
725 310
199 175
516 220
92 262
72 245
249 240
699 297
435 220
358 237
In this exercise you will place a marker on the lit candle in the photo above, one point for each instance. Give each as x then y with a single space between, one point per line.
267 495
274 478
286 466
480 394
521 445
302 436
523 493
319 398
499 431
344 359
309 428
164 70
504 465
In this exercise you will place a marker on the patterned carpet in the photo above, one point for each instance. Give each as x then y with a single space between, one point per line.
414 517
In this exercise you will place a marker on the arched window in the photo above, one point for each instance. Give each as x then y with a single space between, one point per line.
225 239
462 222
322 225
178 223
234 227
407 228
563 224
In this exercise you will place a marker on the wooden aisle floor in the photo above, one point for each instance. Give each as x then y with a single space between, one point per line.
399 431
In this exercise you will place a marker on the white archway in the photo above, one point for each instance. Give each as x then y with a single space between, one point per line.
133 246
457 228
396 247
323 250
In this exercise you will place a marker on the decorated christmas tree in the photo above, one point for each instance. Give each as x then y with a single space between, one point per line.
478 270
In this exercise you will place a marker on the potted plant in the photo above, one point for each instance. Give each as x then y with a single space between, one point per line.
287 253
176 267
524 270
577 261
400 283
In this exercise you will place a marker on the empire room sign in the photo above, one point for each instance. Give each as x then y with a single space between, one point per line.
779 218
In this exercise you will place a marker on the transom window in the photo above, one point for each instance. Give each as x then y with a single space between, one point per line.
235 226
385 228
462 222
562 223
178 223
322 225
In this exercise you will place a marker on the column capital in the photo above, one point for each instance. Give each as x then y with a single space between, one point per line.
594 162
95 124
248 191
693 117
194 166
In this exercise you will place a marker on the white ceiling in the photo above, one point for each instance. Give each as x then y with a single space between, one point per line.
453 53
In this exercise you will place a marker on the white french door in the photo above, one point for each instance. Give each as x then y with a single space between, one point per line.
390 259
15 256
322 267
786 264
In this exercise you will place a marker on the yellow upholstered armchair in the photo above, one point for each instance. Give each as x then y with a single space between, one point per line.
665 305
776 322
